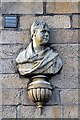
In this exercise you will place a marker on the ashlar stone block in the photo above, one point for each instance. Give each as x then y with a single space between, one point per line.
14 37
11 96
62 7
76 21
32 112
13 81
71 111
22 7
9 112
56 21
69 96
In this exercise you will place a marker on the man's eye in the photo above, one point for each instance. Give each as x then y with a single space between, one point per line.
44 31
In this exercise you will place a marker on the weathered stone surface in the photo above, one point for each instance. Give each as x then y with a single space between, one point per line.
8 112
71 111
10 51
33 112
22 7
13 88
0 112
64 36
69 96
56 21
66 80
21 111
57 112
69 59
78 113
13 81
0 95
69 66
8 66
26 21
65 50
76 21
19 96
56 36
15 37
0 22
11 96
79 96
0 36
62 7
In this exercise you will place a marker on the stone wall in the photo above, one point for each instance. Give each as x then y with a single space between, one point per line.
63 19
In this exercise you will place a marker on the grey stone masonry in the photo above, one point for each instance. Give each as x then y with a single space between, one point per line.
14 96
32 112
56 21
8 112
0 23
63 19
71 111
76 21
62 7
56 36
22 7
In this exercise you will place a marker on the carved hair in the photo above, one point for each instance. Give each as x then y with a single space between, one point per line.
38 24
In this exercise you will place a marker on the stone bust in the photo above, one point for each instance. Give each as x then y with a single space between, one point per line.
38 58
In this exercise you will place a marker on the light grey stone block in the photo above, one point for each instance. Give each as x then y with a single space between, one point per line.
62 7
0 112
71 112
65 80
11 37
22 7
69 96
64 36
56 21
32 112
0 22
11 96
13 81
67 51
10 51
56 36
26 21
8 66
19 96
76 21
0 94
9 112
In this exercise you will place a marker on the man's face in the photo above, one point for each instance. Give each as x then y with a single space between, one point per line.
42 36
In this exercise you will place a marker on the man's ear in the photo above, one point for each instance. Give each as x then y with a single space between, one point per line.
34 34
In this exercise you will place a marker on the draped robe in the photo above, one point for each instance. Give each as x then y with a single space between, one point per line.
47 61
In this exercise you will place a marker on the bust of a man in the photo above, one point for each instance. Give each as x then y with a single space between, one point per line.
37 58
